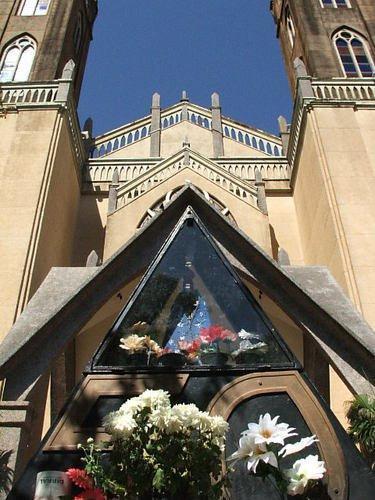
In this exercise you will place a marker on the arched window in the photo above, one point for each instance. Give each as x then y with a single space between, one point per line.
17 60
335 3
290 26
354 54
34 7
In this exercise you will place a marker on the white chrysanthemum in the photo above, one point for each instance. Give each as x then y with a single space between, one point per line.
289 449
119 425
187 414
131 406
155 399
303 470
267 430
253 453
219 426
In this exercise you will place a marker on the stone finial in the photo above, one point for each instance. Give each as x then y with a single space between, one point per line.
283 257
68 71
88 126
283 125
155 100
186 143
215 100
299 67
92 259
184 96
115 177
155 132
261 192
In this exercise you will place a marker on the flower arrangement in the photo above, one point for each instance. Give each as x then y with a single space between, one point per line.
190 349
250 344
136 344
212 336
158 450
262 448
82 480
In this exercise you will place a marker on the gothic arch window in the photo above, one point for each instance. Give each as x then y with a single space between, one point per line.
354 54
336 3
34 7
17 60
290 26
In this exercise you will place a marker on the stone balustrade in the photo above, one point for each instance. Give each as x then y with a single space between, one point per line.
100 171
350 91
28 93
144 183
138 130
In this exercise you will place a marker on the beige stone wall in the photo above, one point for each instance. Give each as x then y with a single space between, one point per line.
38 194
334 199
91 225
284 228
123 223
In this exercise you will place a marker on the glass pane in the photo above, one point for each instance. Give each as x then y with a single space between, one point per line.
195 311
244 485
42 8
24 65
28 8
9 65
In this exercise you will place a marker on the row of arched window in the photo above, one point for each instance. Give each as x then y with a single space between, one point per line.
18 56
351 48
34 7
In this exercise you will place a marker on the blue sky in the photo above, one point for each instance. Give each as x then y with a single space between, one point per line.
201 46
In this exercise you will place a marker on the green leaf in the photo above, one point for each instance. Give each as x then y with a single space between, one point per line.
158 480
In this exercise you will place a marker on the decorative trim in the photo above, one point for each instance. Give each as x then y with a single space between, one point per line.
248 386
68 432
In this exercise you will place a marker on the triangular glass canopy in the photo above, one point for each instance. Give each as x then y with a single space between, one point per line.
191 311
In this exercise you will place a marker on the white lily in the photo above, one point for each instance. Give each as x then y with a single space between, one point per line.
267 430
253 454
302 472
289 449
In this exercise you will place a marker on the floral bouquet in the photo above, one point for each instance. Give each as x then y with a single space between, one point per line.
140 348
191 349
158 451
262 448
250 349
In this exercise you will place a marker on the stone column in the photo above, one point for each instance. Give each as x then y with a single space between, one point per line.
155 126
217 130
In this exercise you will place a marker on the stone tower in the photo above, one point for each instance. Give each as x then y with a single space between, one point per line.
328 46
333 38
43 50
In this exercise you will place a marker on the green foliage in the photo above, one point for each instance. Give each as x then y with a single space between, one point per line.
361 417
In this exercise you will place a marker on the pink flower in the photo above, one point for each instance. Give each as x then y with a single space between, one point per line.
93 494
80 478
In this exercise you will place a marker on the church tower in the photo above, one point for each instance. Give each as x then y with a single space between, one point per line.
329 51
43 51
333 38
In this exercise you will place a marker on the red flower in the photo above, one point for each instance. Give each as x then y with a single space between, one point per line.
93 494
80 478
215 333
190 347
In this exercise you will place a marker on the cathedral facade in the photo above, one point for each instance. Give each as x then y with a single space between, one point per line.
92 230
